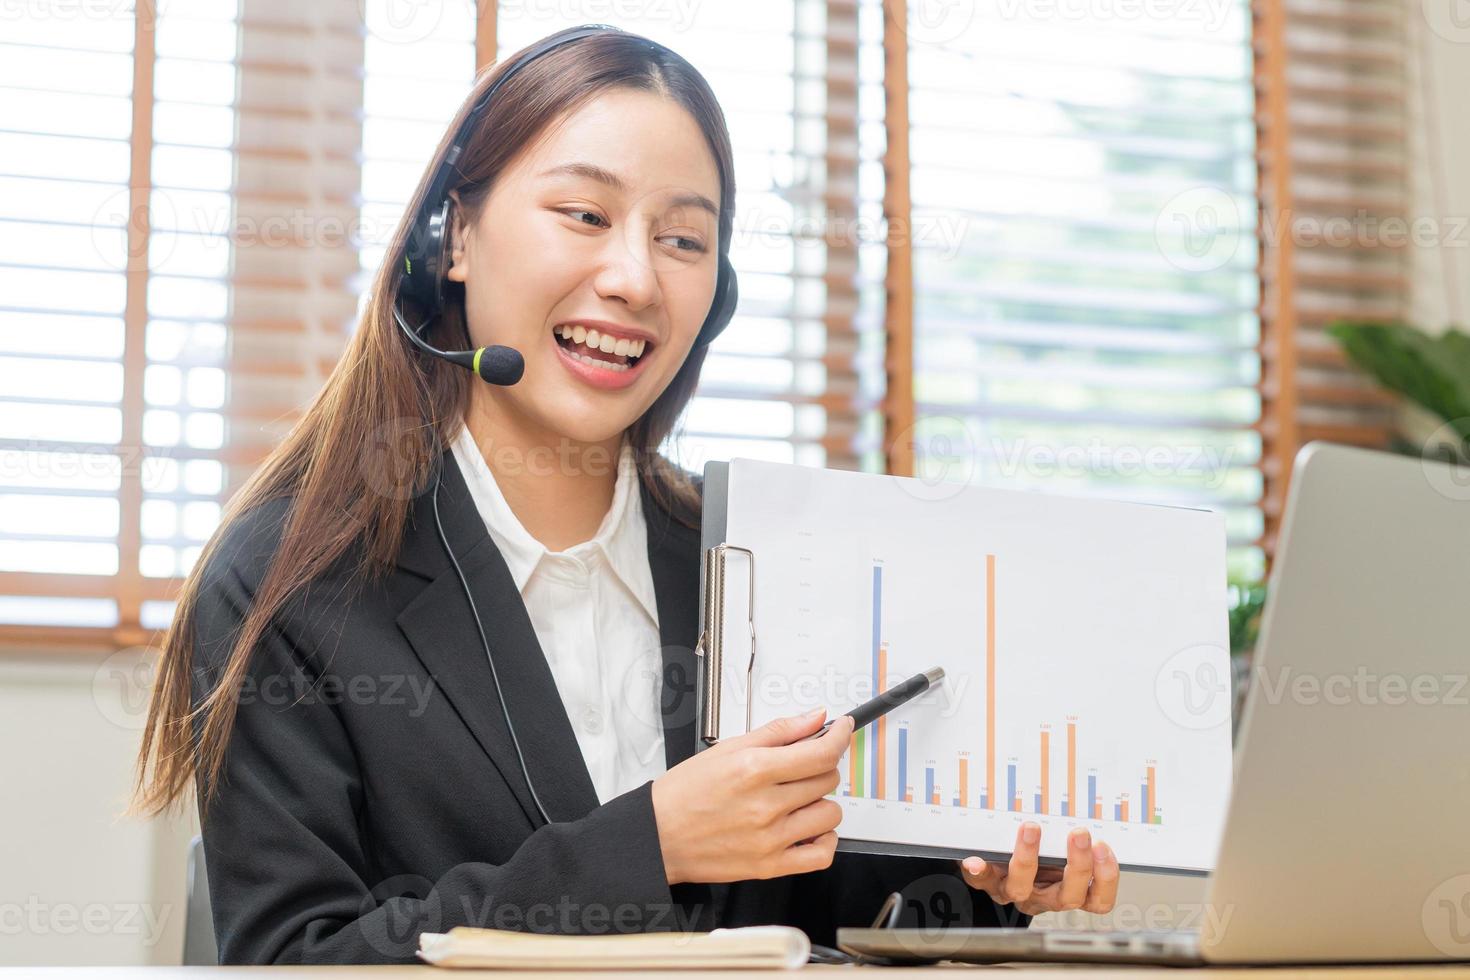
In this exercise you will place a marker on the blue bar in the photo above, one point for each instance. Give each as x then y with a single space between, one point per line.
1011 786
956 801
1117 811
1038 802
903 761
1143 803
928 783
1065 806
1091 796
877 681
984 802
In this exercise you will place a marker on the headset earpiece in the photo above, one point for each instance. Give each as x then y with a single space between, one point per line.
727 297
426 259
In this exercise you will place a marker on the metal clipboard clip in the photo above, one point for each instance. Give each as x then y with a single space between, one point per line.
710 648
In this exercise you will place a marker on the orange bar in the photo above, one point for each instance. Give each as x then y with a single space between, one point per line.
908 794
964 781
1123 811
1046 772
1097 810
852 765
882 725
935 800
1072 768
1148 804
990 795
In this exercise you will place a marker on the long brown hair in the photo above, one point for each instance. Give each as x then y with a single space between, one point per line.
369 440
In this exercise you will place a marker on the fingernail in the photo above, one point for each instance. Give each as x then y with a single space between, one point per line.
1081 838
974 865
1099 852
1031 833
815 712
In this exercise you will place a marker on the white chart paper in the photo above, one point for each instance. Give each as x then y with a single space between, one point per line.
1084 642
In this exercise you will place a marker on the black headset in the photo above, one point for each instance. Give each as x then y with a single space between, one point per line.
425 256
422 282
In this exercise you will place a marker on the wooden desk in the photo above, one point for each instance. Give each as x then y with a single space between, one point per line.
1057 972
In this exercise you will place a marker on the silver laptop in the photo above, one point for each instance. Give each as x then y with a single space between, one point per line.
1347 835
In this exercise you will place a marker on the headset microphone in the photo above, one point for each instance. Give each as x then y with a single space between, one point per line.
497 364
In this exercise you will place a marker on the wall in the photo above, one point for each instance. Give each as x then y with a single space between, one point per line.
82 883
1439 145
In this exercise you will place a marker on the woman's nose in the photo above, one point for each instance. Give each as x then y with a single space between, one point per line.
628 273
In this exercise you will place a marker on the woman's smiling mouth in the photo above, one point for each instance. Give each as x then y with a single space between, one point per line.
601 357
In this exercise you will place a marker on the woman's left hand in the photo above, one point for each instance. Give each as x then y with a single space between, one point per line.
1089 881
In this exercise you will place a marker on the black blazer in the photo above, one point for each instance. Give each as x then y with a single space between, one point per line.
371 792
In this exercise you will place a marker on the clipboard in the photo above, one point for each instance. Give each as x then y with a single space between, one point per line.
718 660
725 665
712 654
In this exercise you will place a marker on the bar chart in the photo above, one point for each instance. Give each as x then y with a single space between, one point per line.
1059 623
869 775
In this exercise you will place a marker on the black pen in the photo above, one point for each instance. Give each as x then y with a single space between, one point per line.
870 711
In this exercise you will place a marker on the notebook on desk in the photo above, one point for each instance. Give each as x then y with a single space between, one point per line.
747 947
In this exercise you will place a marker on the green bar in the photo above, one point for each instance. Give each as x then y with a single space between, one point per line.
1158 819
861 740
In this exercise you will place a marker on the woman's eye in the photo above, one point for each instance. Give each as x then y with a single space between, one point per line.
578 211
686 244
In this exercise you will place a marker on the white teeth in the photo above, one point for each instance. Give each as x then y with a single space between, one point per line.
608 344
605 365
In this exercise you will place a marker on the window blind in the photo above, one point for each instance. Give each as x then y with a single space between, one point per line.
186 342
1331 78
416 71
1084 268
67 266
170 353
295 215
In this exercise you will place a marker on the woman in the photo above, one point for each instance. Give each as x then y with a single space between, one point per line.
433 669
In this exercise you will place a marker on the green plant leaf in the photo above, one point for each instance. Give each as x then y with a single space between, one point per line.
1433 372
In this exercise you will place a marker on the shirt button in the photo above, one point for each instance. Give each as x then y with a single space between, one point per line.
592 721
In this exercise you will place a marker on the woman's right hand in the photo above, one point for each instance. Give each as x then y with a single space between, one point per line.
753 806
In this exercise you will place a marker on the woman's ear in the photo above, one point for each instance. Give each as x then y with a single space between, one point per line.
458 270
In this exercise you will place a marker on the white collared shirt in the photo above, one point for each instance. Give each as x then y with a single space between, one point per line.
594 611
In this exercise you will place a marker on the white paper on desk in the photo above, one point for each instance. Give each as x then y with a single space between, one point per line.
1110 648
